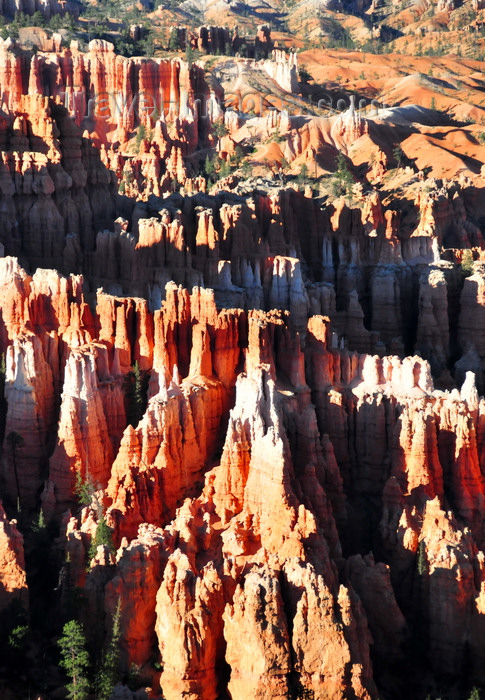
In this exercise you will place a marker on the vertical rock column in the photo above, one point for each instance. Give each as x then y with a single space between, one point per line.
29 392
83 444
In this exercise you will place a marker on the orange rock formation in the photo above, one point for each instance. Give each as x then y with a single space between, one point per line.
255 388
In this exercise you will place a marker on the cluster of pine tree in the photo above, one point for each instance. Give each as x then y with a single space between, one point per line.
77 664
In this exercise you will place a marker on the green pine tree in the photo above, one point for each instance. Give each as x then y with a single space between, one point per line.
104 535
75 660
39 527
467 263
174 43
148 45
219 129
140 135
55 23
209 167
398 155
136 387
109 670
138 397
246 169
84 489
15 441
13 30
237 156
343 180
189 55
422 558
303 174
38 19
225 169
3 402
